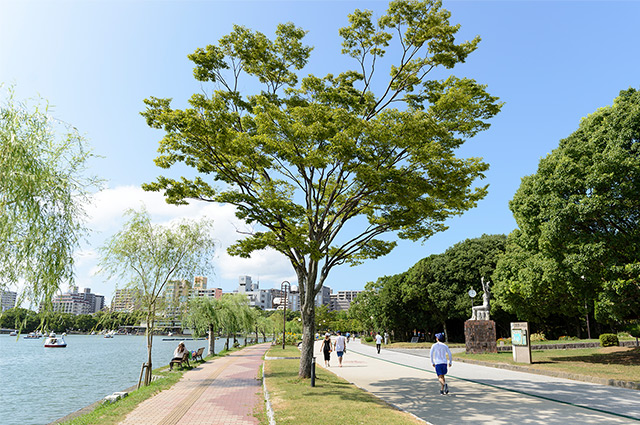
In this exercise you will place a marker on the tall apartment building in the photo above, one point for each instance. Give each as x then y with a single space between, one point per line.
323 297
342 300
8 300
126 299
246 285
75 302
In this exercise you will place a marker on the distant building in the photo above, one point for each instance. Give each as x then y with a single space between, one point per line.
8 300
342 300
323 297
246 285
74 302
127 299
209 292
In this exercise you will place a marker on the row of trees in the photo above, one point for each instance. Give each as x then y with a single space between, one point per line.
433 294
574 256
28 320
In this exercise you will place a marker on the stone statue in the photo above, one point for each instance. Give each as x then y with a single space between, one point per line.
481 312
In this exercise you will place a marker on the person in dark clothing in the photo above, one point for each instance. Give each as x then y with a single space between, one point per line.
326 348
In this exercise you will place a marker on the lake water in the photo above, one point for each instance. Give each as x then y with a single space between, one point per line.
40 385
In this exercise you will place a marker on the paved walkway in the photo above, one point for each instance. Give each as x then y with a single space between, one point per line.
223 391
482 395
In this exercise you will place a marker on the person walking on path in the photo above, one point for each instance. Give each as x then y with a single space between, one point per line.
340 346
325 347
378 341
438 355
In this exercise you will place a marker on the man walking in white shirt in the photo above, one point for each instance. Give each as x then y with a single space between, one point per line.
340 346
378 341
439 352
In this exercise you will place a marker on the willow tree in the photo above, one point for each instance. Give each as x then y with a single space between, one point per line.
203 317
148 256
43 187
324 166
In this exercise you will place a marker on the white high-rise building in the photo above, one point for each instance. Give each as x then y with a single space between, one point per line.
8 300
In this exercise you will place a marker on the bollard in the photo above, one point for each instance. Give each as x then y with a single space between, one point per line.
313 372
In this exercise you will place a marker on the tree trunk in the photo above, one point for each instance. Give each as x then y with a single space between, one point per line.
149 334
212 341
308 333
444 329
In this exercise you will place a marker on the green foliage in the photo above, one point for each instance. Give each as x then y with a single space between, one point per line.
368 338
290 338
634 330
149 256
568 338
43 187
578 236
538 336
431 292
324 166
609 340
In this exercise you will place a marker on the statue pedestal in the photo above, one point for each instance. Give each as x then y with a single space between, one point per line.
480 336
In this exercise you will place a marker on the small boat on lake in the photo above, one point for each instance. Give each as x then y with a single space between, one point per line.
109 334
32 335
13 333
55 341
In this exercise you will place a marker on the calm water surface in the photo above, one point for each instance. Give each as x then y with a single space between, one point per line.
40 385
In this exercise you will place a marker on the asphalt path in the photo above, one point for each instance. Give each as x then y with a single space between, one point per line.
480 394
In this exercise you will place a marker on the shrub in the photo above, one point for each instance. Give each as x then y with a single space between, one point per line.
290 339
609 340
506 341
568 338
368 338
539 336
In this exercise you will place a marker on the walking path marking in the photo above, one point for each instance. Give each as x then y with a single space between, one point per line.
223 391
482 394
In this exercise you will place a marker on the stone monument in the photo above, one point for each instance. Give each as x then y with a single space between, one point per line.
480 330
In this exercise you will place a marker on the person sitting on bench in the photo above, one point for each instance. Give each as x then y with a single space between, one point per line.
178 354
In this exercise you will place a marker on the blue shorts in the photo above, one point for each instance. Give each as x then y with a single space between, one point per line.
339 353
441 369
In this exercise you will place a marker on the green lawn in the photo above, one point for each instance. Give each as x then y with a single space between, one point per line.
332 401
621 363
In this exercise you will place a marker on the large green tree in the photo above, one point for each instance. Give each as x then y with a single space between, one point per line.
577 246
324 166
148 255
442 281
43 187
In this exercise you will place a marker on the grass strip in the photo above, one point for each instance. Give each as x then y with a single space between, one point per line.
333 400
619 363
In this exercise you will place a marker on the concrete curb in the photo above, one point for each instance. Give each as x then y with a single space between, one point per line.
267 400
566 375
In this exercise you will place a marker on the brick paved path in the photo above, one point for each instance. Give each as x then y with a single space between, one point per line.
221 391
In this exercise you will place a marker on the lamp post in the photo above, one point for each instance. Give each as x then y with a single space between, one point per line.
586 309
284 288
472 295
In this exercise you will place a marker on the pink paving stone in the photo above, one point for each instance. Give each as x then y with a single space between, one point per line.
230 398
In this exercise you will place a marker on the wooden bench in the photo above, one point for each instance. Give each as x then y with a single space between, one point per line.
179 362
199 354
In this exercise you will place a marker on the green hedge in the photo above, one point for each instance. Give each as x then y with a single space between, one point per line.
609 340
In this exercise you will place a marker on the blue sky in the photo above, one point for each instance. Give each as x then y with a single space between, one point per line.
551 62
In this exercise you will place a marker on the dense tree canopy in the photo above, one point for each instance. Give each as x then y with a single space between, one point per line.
326 165
577 244
43 187
433 292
